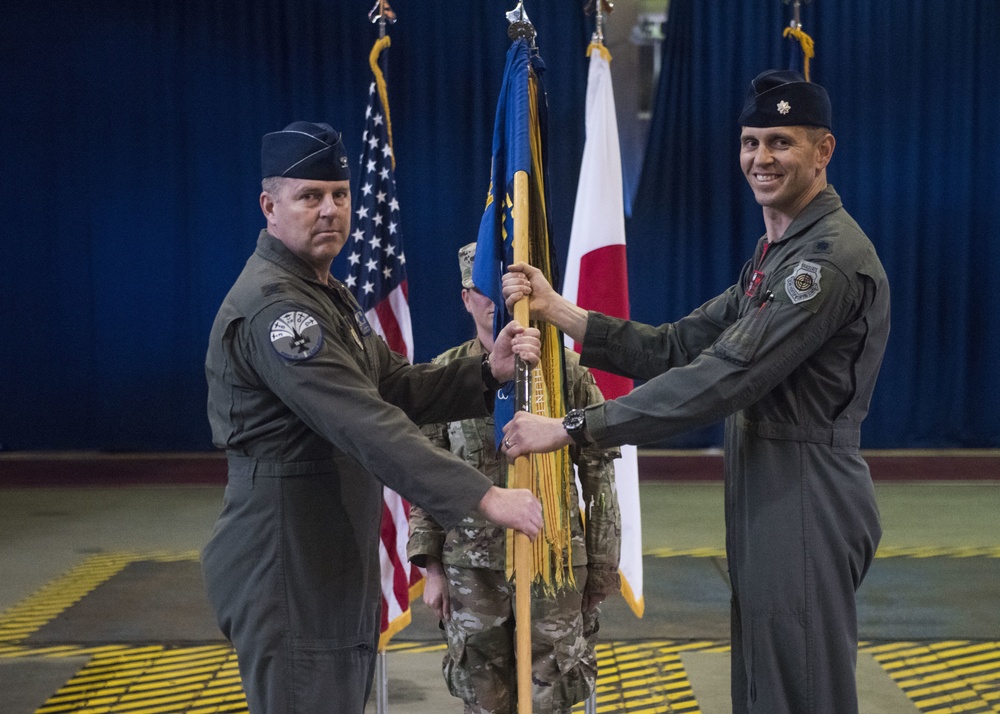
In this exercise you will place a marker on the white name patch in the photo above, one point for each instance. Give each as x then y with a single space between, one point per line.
803 283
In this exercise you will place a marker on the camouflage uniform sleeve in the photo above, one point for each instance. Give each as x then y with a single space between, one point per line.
426 536
596 471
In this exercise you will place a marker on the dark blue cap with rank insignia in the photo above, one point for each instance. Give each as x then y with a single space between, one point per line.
304 150
780 97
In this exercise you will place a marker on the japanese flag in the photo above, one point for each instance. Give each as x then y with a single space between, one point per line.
597 279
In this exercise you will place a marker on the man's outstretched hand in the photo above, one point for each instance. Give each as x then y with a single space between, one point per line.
529 433
513 508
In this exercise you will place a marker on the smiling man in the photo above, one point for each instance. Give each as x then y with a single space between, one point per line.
789 356
316 414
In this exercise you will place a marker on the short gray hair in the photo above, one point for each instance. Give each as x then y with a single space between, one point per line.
272 184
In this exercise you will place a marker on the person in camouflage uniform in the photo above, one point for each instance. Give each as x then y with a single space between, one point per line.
466 583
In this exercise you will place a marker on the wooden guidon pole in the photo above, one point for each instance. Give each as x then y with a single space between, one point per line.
522 472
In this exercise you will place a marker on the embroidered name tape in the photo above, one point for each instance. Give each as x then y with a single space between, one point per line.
363 324
803 283
296 335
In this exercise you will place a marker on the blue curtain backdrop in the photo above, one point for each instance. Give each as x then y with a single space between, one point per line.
129 139
130 134
915 88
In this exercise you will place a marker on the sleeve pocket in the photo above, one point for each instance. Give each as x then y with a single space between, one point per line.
740 342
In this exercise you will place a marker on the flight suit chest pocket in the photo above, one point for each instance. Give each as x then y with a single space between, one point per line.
740 343
354 331
354 343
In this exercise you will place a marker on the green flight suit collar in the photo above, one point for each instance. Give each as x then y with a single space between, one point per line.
271 249
826 201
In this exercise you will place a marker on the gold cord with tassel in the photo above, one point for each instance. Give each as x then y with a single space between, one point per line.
807 45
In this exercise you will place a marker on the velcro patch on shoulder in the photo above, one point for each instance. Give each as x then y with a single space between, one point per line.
272 289
296 335
803 283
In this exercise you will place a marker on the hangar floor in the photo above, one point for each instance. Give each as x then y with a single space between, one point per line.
101 606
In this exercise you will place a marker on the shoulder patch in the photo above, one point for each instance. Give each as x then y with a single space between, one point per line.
296 335
803 283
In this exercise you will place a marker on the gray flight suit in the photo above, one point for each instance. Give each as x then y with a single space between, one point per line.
480 665
315 420
791 366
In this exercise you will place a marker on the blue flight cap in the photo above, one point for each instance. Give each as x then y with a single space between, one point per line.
780 97
304 150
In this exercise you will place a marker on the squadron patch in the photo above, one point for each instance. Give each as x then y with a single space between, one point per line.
803 283
296 335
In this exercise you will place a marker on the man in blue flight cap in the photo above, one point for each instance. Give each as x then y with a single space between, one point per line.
789 356
316 414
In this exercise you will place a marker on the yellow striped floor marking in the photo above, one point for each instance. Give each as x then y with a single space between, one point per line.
634 677
646 677
22 620
153 680
945 677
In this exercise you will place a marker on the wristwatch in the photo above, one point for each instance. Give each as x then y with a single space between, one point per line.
492 383
575 424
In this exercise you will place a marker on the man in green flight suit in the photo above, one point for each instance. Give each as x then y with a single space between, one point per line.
316 414
789 356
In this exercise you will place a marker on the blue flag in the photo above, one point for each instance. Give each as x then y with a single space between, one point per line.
494 245
518 145
511 153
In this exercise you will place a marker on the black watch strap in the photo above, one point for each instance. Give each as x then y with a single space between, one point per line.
575 424
489 380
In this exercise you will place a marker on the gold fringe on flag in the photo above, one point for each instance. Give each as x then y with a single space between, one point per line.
552 566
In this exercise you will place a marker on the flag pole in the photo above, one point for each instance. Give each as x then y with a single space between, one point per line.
521 28
795 31
522 467
797 14
382 14
590 704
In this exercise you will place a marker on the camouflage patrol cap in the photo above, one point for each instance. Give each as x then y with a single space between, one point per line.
466 256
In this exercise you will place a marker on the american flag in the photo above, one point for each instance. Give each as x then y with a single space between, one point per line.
376 260
377 278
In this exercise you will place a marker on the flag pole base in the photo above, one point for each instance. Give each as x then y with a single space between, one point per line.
381 684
